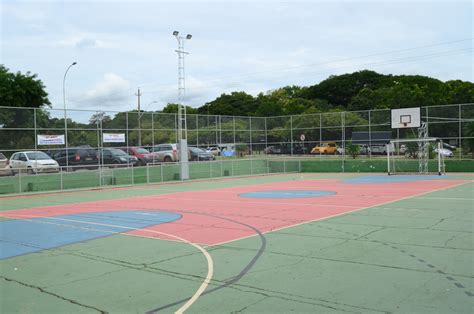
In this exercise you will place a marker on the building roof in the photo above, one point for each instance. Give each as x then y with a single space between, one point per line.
374 138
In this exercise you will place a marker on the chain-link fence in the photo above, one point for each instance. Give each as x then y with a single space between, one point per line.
33 129
29 137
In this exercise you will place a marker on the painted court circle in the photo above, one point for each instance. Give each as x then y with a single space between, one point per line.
287 194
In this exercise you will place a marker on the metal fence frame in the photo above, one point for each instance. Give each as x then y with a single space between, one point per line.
86 127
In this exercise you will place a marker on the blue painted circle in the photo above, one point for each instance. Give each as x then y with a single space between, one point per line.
287 194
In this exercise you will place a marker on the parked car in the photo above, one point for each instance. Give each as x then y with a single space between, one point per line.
445 152
167 152
77 156
5 169
273 149
144 156
216 151
298 149
116 157
32 162
325 148
198 154
374 149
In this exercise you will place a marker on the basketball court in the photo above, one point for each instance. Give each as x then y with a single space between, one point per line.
276 243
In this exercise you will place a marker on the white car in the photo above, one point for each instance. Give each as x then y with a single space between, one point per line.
214 150
445 152
33 162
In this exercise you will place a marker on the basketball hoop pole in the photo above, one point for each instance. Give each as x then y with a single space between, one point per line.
388 158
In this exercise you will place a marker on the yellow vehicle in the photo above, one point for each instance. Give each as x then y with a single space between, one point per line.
325 148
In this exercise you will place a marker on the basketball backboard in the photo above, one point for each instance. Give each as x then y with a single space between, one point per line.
406 118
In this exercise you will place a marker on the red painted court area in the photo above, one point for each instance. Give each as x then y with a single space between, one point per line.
216 216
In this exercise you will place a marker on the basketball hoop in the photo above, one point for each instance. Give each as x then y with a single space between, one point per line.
405 124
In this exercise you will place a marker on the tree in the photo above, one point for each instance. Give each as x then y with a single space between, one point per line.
173 108
460 92
235 104
352 149
20 90
338 90
99 116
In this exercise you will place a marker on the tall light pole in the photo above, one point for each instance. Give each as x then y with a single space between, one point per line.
65 115
182 129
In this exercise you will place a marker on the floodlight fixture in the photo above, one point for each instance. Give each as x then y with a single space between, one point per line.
189 36
175 33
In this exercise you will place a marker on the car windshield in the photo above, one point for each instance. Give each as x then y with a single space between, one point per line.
196 150
141 151
37 156
117 152
2 156
324 145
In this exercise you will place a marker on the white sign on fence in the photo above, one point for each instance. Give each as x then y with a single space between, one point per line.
113 137
51 139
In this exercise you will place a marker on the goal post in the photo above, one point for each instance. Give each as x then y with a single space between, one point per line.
415 156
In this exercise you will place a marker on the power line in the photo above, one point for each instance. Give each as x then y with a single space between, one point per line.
372 64
294 67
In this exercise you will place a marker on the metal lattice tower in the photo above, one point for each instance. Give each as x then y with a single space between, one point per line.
182 129
423 148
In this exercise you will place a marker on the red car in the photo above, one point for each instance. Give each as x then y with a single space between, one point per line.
143 155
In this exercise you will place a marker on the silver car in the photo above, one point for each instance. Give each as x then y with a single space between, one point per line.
33 162
167 152
5 169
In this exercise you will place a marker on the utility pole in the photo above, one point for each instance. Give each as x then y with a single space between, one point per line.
139 116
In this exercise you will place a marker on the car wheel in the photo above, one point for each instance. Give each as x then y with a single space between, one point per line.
167 159
30 170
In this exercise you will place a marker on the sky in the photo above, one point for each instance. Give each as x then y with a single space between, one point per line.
251 46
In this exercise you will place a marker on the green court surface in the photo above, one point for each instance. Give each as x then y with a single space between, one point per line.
413 255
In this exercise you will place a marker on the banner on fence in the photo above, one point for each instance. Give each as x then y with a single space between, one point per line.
113 137
51 139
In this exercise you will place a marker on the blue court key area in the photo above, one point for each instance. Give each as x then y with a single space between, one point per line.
287 194
18 237
391 179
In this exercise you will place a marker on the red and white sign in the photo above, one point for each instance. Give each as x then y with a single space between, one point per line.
113 137
50 139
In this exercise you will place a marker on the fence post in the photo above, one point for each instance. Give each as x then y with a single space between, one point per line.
284 166
251 167
147 173
133 177
161 172
210 169
232 166
61 178
19 181
268 166
299 165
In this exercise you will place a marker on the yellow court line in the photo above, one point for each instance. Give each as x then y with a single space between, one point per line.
210 263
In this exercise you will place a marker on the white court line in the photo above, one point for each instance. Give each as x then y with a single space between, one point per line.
210 263
341 214
447 198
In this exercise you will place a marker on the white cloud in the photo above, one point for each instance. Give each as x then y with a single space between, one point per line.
81 41
112 92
